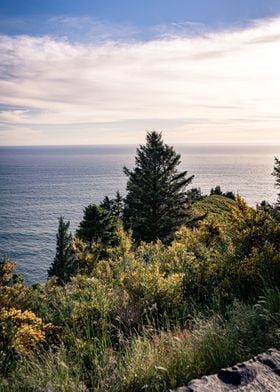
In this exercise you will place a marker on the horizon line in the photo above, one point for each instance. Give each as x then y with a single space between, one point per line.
241 143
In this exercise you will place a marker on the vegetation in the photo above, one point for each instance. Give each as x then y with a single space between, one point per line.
218 191
62 264
276 174
136 316
273 209
97 227
156 201
114 206
136 319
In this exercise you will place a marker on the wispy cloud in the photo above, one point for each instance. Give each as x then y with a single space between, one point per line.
73 28
88 29
222 86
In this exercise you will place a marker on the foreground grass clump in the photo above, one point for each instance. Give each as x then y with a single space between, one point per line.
151 316
156 359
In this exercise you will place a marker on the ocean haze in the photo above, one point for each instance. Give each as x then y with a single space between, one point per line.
40 184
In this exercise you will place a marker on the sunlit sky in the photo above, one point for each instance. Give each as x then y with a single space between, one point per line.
105 71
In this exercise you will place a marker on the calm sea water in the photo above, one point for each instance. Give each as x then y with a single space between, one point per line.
39 184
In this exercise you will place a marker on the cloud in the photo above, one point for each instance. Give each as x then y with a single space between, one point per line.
221 85
88 29
175 30
74 28
20 135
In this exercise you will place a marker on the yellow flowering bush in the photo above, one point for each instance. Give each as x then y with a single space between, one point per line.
232 257
14 296
152 289
91 304
20 330
6 269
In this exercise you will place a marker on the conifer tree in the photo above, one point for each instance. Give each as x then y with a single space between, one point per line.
274 209
118 205
216 191
114 206
107 204
64 258
276 174
98 226
156 201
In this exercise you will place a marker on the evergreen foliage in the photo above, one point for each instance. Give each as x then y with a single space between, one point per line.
273 209
218 191
156 202
195 194
276 174
98 226
64 258
114 206
107 204
209 299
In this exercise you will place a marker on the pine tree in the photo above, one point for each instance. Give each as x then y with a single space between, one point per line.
276 174
114 206
63 261
118 205
98 226
156 201
216 191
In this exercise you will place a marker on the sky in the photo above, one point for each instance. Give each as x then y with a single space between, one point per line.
106 71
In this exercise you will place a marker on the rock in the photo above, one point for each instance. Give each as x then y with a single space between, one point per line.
260 374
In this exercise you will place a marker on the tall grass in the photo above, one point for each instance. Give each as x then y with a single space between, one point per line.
154 360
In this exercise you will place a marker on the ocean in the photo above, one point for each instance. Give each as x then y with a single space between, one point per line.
40 184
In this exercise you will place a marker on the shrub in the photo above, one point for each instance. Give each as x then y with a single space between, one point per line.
20 331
